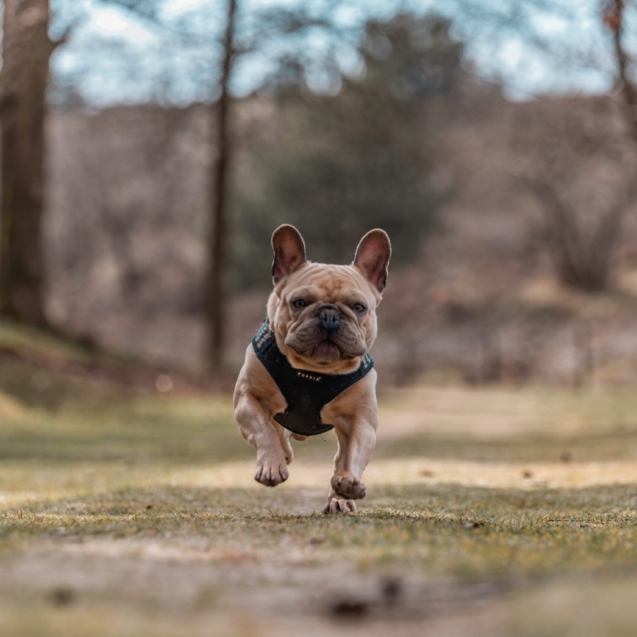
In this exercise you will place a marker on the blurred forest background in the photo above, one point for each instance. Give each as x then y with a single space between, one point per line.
150 147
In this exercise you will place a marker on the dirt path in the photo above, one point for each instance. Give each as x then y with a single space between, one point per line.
235 596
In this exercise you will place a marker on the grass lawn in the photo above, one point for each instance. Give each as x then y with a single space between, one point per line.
490 512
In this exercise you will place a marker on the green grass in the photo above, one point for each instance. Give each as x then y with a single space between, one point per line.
127 512
138 430
446 529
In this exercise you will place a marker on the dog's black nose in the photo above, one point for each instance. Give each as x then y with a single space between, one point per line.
328 315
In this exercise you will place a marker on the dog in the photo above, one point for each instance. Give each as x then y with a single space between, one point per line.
308 368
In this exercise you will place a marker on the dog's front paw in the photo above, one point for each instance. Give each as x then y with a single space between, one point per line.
348 486
336 504
270 473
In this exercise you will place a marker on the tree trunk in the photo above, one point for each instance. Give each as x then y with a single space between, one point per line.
615 19
219 200
26 50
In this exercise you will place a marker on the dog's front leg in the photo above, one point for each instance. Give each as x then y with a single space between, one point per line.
356 443
257 429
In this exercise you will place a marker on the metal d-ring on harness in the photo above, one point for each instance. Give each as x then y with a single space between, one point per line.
306 393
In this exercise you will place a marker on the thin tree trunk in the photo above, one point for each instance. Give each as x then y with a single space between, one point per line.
219 199
26 50
614 19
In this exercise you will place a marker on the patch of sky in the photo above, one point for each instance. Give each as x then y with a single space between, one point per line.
531 46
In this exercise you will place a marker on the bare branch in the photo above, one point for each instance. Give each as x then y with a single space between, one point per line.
66 35
614 18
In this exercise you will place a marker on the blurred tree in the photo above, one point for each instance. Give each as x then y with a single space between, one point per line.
276 24
582 171
254 32
26 50
358 156
216 298
614 16
580 167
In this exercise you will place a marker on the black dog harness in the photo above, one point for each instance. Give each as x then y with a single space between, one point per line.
306 393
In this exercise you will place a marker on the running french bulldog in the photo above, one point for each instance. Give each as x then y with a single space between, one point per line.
308 368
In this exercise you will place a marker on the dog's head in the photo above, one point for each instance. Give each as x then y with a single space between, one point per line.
324 316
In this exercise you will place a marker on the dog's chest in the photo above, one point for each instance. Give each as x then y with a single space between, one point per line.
304 393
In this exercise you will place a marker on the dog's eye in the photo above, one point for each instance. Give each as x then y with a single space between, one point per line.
359 307
298 304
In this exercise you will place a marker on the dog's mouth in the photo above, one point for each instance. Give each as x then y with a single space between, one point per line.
327 350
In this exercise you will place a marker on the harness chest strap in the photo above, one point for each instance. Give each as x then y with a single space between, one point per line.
305 392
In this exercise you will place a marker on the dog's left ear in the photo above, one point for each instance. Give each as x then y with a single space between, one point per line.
372 257
289 251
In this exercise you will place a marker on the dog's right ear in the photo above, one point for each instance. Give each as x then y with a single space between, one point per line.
289 251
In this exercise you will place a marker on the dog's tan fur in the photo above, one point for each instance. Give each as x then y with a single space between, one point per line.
353 413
